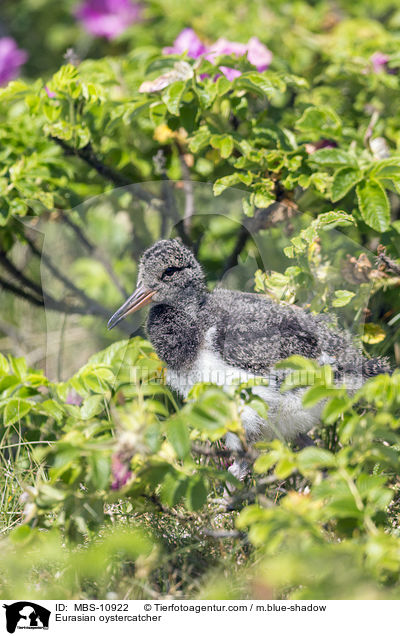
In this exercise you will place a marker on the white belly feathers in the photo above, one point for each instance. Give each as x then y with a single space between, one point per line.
286 415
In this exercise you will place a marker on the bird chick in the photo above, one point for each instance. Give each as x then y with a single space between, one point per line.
228 336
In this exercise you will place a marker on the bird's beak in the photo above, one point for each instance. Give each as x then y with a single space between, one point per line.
140 297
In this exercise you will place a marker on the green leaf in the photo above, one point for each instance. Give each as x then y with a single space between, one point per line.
320 120
265 461
373 333
263 197
284 468
230 180
317 393
342 297
200 139
262 83
312 458
173 96
344 180
331 157
92 406
178 435
298 363
52 408
99 470
4 366
173 489
223 143
334 409
374 205
197 493
334 218
15 410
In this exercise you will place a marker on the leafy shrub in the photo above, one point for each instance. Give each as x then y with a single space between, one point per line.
111 485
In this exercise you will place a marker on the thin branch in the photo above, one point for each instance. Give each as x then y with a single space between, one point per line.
16 273
39 302
96 253
92 305
44 298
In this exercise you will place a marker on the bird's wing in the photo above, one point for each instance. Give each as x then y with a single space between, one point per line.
254 333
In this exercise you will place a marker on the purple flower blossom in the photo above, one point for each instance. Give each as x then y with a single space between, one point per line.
318 145
74 398
379 61
189 42
224 47
108 18
258 54
230 73
11 58
50 93
186 42
120 472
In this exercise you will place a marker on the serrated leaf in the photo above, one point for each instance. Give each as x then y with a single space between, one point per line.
181 72
15 410
92 406
331 157
223 143
230 180
344 180
178 435
262 83
312 458
173 95
319 119
374 205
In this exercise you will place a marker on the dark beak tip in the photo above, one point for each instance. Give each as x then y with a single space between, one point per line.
139 298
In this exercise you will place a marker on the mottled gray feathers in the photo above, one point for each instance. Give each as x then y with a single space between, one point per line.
250 331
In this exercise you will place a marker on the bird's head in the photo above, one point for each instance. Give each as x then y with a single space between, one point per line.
168 274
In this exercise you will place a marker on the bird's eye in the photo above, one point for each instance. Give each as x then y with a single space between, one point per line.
169 271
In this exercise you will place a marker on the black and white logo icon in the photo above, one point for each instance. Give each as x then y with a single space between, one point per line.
26 615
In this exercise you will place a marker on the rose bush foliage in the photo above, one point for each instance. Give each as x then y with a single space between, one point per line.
114 481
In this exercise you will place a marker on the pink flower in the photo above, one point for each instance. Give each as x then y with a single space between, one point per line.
108 18
258 54
224 47
318 145
186 42
379 61
189 42
120 471
50 93
230 73
74 398
11 58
